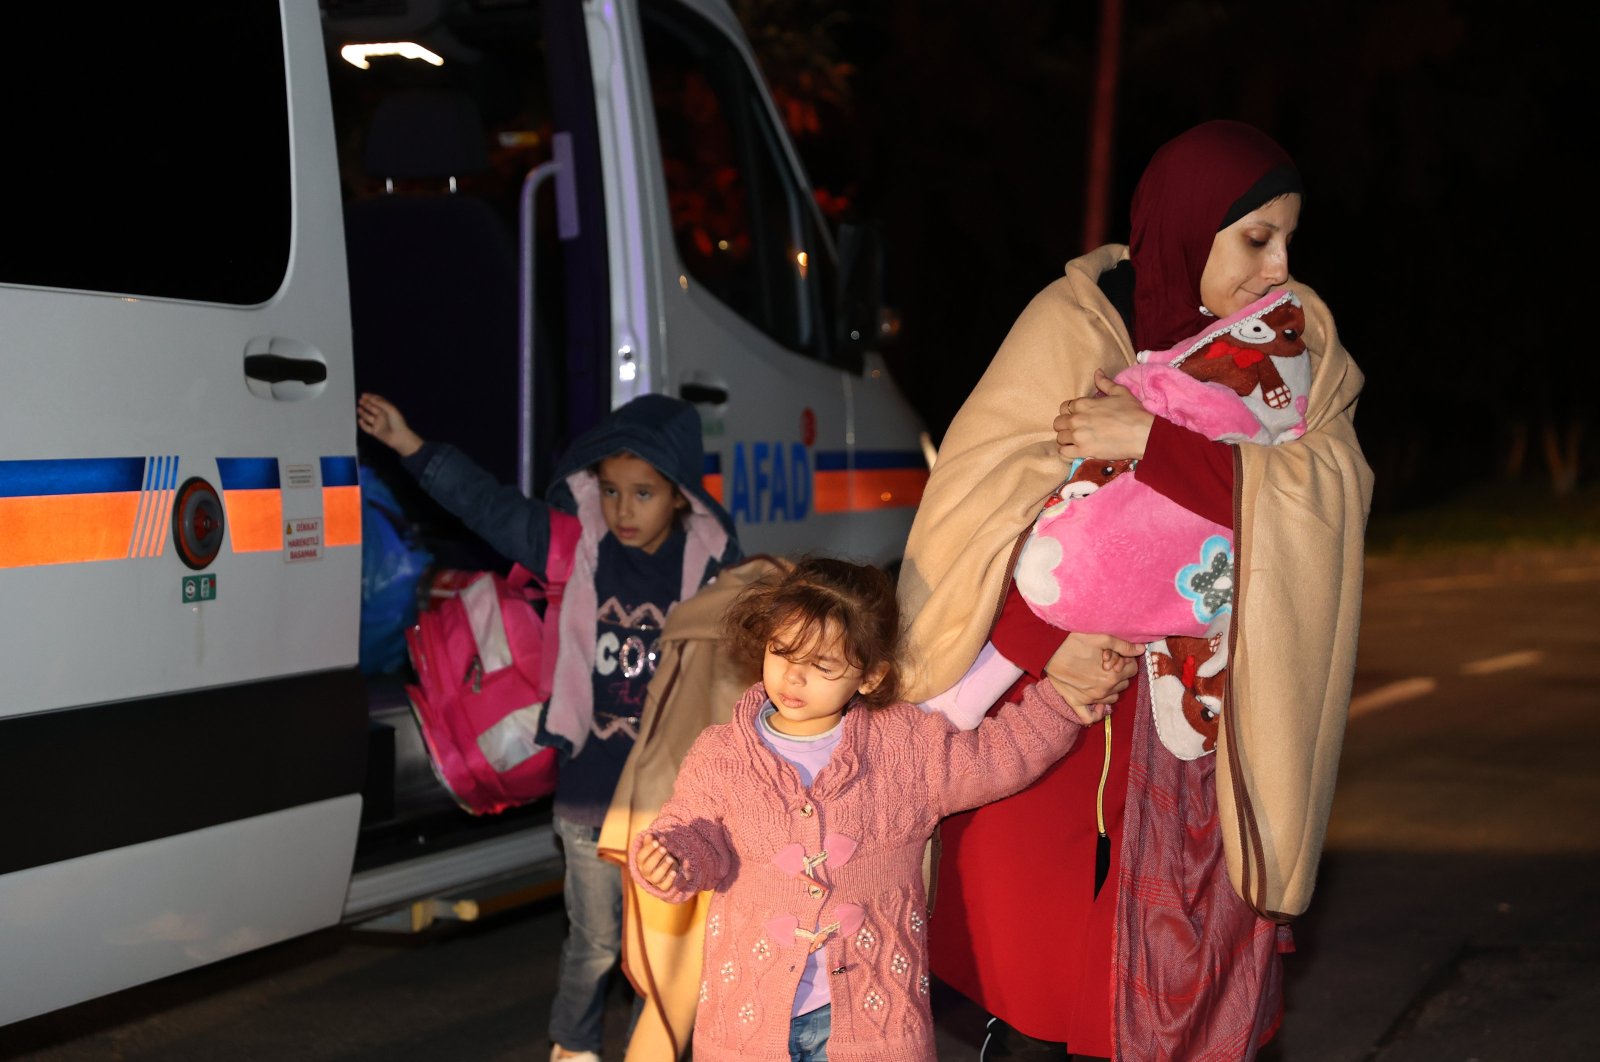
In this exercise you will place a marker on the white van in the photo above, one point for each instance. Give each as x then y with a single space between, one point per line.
191 765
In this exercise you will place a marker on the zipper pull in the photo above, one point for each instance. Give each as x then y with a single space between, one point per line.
1102 844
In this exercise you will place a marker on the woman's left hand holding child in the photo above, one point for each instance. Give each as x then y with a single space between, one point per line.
1111 426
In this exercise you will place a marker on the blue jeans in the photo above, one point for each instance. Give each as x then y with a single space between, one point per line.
808 1035
593 893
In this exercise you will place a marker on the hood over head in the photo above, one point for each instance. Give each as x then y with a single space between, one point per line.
660 429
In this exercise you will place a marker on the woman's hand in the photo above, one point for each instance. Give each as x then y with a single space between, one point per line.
379 418
1090 671
1109 427
657 865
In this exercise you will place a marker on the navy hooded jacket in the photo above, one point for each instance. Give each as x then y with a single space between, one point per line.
659 429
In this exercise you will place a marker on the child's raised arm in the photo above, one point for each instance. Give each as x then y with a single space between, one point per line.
1004 755
381 419
517 526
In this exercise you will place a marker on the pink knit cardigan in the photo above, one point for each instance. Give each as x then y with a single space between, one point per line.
838 866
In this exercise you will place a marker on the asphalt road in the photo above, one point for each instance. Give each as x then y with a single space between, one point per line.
1454 916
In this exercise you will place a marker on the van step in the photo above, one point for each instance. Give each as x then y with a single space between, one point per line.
521 862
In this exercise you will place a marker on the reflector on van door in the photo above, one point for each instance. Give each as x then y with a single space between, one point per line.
197 523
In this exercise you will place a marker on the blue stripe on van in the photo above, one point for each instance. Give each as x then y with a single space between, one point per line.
712 465
80 475
248 473
340 472
890 459
161 473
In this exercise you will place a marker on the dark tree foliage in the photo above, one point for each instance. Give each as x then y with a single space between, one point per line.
1439 143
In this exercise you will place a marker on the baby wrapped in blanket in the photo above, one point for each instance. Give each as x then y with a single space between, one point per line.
1110 555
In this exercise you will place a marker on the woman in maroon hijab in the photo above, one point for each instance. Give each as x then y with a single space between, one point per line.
1033 903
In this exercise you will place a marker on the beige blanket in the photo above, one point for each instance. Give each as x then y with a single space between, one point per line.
1300 518
697 683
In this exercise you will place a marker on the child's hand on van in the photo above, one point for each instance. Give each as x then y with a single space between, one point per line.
657 865
379 418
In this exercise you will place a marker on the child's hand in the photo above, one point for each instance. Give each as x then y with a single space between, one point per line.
1088 714
379 418
657 865
1090 671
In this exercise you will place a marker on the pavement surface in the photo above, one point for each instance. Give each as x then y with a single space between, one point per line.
1454 916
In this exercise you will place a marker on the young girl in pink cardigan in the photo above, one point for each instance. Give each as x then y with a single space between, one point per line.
807 815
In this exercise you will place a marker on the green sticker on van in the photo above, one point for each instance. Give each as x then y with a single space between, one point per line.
198 588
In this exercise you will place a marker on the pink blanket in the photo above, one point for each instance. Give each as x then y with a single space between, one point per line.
1108 554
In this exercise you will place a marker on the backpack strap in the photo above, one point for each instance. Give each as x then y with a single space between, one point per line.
565 530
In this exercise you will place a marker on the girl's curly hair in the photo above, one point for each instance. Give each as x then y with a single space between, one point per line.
817 594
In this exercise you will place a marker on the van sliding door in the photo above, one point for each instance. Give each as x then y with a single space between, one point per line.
181 729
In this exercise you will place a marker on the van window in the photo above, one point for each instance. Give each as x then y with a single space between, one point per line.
147 151
742 224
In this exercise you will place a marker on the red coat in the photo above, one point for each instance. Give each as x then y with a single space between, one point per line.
1016 926
1168 961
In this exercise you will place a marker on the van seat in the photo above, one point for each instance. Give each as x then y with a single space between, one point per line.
433 283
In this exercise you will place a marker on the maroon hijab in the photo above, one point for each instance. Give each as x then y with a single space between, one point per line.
1195 186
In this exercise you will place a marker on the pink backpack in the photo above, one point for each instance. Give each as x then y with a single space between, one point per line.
485 660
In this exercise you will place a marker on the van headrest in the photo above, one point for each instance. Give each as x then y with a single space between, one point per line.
423 134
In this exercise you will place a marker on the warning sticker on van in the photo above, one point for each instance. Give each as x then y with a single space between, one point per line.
302 540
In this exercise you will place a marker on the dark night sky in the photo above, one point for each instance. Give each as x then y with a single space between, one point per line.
1433 135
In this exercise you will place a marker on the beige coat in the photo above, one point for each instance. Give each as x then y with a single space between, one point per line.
1300 518
697 683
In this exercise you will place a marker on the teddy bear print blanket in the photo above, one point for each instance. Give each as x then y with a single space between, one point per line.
1109 554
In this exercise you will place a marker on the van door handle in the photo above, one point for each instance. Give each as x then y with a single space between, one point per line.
284 370
275 368
702 394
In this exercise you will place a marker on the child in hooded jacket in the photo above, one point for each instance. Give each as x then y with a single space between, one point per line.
650 537
807 815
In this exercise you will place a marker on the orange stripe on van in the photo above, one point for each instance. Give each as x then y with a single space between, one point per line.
150 529
341 516
163 514
867 488
255 519
143 520
712 482
66 528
